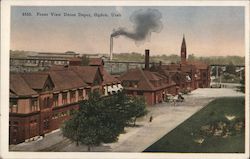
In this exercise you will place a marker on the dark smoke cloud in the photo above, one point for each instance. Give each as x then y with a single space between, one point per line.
145 22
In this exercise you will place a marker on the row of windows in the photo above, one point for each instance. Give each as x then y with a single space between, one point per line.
46 102
65 99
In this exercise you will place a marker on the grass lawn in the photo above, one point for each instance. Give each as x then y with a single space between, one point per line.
218 127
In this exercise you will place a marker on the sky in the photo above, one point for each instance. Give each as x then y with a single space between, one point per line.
209 31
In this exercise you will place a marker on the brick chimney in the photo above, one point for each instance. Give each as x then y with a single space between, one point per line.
146 59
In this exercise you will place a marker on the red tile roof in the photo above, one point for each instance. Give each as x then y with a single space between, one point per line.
86 73
19 86
26 84
35 80
152 76
144 79
108 79
66 79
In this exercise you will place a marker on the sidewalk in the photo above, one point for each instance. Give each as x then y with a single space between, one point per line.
166 118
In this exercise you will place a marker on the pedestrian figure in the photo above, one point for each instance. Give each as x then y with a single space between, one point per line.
175 100
150 119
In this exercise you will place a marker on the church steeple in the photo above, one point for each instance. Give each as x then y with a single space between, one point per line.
183 50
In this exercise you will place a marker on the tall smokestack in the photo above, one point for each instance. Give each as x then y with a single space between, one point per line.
111 48
146 59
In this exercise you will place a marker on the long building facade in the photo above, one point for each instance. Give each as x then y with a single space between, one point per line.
41 101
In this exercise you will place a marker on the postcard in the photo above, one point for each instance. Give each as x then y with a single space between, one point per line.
127 79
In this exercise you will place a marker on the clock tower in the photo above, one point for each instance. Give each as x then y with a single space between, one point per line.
183 50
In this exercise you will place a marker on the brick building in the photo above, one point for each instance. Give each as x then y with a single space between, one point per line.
197 72
155 82
110 84
152 85
41 101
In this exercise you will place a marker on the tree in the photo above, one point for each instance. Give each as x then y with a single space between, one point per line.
214 69
230 68
137 108
115 119
84 126
191 57
130 107
102 119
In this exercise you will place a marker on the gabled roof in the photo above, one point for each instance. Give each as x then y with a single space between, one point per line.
144 79
139 76
96 62
165 73
131 75
35 80
19 86
86 73
26 84
66 79
108 79
152 76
